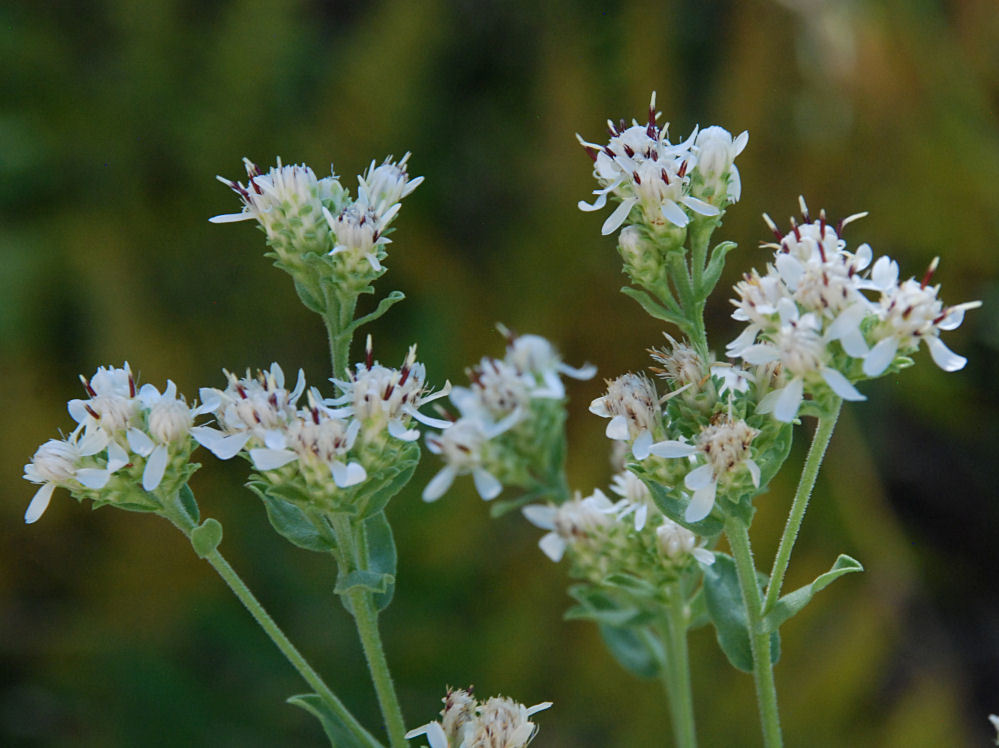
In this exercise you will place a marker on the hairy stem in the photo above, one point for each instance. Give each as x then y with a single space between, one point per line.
809 473
676 672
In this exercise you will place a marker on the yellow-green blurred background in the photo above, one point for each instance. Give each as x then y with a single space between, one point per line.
116 115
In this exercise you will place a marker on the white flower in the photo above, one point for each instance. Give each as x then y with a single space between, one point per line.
360 232
461 447
682 364
640 167
676 541
112 406
635 497
381 397
632 404
725 446
498 391
497 722
577 519
716 151
534 355
385 185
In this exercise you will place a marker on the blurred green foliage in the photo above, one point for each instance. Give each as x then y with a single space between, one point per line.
115 116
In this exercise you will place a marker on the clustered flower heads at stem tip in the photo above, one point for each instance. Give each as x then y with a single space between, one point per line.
500 427
497 722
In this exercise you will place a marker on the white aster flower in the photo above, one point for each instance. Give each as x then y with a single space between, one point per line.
381 397
462 447
383 186
632 405
534 355
56 464
360 233
716 151
577 520
635 497
725 448
112 406
497 722
677 542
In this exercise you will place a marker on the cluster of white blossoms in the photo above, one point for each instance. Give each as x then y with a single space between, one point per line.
497 722
822 317
125 437
660 184
329 444
301 213
500 417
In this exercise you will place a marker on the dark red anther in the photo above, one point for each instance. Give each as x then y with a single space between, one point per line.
664 175
388 391
609 152
273 400
634 175
404 372
629 150
131 385
822 224
907 312
92 412
255 186
941 317
654 154
929 274
315 415
652 131
252 170
839 227
610 128
87 387
794 228
682 170
241 390
591 152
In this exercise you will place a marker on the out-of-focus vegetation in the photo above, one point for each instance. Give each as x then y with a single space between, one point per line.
114 118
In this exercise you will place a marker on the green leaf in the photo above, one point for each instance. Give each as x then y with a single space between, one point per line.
206 537
728 614
631 584
291 523
793 602
307 297
336 730
596 605
636 650
372 581
383 485
653 307
383 306
698 615
189 504
715 266
382 557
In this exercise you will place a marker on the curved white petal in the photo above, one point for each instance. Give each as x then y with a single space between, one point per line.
399 431
39 503
540 515
699 206
139 442
701 503
734 193
93 442
881 356
854 344
953 319
271 459
598 407
597 204
274 439
841 385
641 515
620 214
786 407
586 371
93 477
152 475
754 471
641 446
77 410
760 353
743 341
222 446
439 484
553 546
790 269
348 475
486 484
703 556
674 214
437 423
230 218
117 457
699 477
884 274
539 707
672 448
943 356
617 428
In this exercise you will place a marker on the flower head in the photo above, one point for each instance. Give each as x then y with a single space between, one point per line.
632 404
497 722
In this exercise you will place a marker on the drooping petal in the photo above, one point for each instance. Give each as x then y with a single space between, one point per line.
553 546
789 400
620 214
701 504
703 556
39 503
397 429
434 732
486 484
95 478
540 515
672 448
348 475
617 428
641 515
117 457
439 484
152 475
760 353
641 446
223 446
943 356
841 385
139 442
271 459
881 356
699 477
586 371
597 204
674 214
699 206
754 471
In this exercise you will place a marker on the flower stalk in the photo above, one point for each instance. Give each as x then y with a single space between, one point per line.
676 671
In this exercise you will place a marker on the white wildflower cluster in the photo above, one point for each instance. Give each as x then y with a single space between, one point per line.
319 450
497 722
822 317
661 185
129 442
304 215
510 419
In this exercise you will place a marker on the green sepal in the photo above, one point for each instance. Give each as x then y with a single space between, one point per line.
290 522
714 268
380 487
338 733
675 508
189 504
793 602
382 556
653 308
636 650
206 537
723 598
306 296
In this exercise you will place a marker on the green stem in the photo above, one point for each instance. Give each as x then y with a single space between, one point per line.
366 619
759 641
270 627
338 318
676 672
809 473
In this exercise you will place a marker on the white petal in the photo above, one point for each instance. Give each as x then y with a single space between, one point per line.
39 503
643 443
745 339
953 319
699 477
271 459
754 471
598 407
93 442
787 310
274 439
399 431
790 269
117 457
93 477
760 353
620 214
225 446
348 475
884 274
78 410
439 484
230 218
701 504
786 407
139 442
586 371
841 385
734 193
641 516
699 206
487 485
854 344
943 356
437 423
540 515
553 546
617 428
152 475
672 448
703 555
674 214
600 202
881 356
538 707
